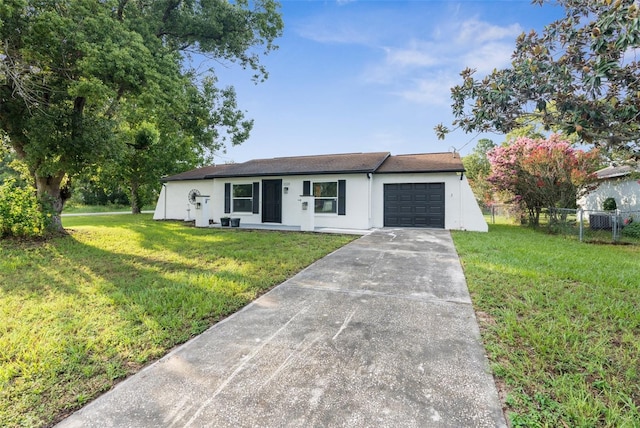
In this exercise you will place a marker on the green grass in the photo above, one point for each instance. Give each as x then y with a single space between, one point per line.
83 209
560 321
79 313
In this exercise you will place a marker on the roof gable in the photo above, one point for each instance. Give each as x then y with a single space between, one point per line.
423 162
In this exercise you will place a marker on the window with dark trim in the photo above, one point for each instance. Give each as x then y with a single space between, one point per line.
326 197
243 198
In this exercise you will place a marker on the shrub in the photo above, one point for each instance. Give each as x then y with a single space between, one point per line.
632 230
609 204
20 213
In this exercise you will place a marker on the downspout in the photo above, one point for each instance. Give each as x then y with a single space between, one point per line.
369 199
460 199
164 187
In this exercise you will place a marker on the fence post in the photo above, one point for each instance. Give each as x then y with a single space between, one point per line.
580 221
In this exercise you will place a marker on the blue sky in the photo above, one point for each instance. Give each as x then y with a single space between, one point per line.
373 75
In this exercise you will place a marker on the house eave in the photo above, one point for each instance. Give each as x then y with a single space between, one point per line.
168 180
433 171
288 174
607 177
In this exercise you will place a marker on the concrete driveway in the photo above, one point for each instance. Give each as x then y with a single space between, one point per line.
380 333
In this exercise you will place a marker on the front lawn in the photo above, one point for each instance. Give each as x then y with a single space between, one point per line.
79 313
83 209
560 321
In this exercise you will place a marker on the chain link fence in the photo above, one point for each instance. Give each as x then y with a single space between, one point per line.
617 226
596 226
506 212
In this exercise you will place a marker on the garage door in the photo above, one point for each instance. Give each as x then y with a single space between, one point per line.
414 205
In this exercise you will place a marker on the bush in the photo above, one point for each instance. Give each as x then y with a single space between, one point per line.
20 213
632 230
609 204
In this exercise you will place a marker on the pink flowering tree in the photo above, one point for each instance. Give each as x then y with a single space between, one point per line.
541 173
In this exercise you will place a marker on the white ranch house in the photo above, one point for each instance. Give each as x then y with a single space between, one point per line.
341 191
614 182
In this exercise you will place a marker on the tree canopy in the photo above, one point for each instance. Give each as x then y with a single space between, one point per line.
477 168
74 73
585 64
541 173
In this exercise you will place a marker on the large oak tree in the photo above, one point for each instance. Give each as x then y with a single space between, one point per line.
69 68
585 65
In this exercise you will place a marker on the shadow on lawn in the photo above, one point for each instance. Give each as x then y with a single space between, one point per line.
100 314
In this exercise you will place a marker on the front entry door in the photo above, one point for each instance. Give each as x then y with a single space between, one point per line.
272 201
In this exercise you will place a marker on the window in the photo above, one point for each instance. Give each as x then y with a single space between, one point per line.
242 198
330 196
326 196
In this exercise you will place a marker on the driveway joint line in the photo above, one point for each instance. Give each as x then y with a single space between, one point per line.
372 293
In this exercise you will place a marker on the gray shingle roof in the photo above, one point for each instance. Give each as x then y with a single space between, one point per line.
615 171
298 165
379 162
195 174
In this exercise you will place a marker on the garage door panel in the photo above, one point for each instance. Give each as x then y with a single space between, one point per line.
414 205
420 221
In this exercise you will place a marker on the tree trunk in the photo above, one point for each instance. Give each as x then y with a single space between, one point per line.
51 192
135 198
534 216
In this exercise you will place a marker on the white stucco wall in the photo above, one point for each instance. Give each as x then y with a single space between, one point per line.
357 201
174 199
461 209
471 215
364 200
625 192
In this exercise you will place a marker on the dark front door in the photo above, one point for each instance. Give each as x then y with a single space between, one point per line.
414 205
272 201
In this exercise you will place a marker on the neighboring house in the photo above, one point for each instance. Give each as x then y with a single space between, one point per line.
616 182
344 191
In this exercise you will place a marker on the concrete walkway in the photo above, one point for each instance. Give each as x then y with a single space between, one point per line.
381 333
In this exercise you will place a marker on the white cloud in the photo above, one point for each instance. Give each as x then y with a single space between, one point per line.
423 71
399 62
489 56
477 32
412 56
432 90
341 26
338 33
421 64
